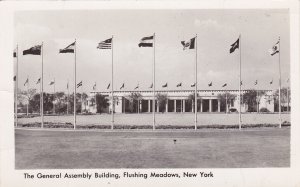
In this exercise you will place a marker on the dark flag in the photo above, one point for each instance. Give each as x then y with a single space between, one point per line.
271 81
51 82
224 85
179 85
151 86
38 81
79 84
190 44
26 82
69 49
15 53
67 85
164 86
255 82
15 78
241 83
108 86
136 87
234 46
36 50
210 84
106 44
275 49
193 85
146 41
123 85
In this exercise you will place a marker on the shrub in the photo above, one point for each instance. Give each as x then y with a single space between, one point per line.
264 110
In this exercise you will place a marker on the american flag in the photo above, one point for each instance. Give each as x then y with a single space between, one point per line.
106 44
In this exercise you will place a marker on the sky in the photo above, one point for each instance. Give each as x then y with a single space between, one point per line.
216 30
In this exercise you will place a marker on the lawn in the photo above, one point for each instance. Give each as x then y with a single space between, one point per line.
64 149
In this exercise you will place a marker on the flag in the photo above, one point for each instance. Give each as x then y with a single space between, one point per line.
106 44
38 81
151 86
224 85
15 78
190 44
51 82
36 50
15 52
108 86
165 85
69 49
193 85
210 84
234 46
123 85
136 87
146 42
179 85
275 49
79 84
26 82
288 80
241 83
94 86
67 85
255 82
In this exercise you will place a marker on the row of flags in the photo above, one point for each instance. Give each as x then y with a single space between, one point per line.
123 85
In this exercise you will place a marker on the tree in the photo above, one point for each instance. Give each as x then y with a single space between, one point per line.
162 101
285 97
24 97
252 99
134 99
225 98
191 101
101 102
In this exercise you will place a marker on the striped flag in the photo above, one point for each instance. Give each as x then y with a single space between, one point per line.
146 41
26 82
151 86
136 87
275 48
179 85
255 82
38 81
67 85
15 52
190 44
79 84
271 81
94 86
210 84
193 85
165 85
69 49
241 83
108 86
224 85
106 44
36 50
15 78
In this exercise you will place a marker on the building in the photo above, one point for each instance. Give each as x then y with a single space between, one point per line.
179 101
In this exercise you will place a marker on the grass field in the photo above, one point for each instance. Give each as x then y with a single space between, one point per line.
164 119
63 149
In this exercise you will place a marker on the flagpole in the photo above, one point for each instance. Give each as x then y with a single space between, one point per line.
27 96
81 99
42 92
196 110
16 87
153 77
112 83
288 98
240 125
279 83
75 86
68 99
54 97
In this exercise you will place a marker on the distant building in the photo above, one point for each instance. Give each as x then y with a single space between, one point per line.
178 101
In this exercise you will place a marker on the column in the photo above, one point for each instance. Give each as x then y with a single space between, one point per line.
210 105
183 107
201 105
174 105
167 105
157 106
149 105
219 105
140 105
